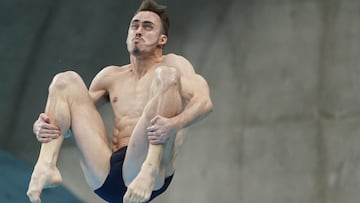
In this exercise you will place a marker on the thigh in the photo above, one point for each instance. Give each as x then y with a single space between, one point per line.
137 149
91 139
164 100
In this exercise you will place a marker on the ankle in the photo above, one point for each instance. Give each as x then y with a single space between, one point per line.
45 163
150 168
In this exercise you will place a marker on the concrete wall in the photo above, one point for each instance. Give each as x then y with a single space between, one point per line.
284 77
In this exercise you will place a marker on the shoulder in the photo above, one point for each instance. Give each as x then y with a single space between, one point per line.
179 62
174 57
108 70
111 71
105 75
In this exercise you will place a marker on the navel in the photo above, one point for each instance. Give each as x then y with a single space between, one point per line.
115 99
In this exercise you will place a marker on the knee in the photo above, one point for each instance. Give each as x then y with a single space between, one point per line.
167 76
65 80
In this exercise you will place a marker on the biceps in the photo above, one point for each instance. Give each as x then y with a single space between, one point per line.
98 96
195 86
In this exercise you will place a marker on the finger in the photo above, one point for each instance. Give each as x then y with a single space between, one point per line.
47 135
153 121
155 141
54 136
48 130
43 136
45 140
44 127
44 117
155 135
54 133
49 126
152 133
152 128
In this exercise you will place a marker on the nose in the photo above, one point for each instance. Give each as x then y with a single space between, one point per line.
139 31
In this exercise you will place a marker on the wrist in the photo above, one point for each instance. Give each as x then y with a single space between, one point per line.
177 123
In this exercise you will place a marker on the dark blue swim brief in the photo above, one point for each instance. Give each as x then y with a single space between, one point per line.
114 188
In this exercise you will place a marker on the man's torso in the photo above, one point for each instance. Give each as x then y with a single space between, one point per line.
128 96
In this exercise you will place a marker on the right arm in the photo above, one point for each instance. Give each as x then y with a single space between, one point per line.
45 131
99 86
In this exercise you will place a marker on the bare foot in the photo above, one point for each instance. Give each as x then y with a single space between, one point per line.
43 176
141 187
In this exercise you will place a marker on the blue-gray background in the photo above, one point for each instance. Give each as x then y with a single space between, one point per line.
284 77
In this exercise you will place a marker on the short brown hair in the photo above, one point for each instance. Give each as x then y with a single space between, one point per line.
160 10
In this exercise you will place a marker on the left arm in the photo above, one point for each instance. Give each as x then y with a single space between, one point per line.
195 91
198 102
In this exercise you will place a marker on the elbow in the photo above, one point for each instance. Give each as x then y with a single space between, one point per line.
208 106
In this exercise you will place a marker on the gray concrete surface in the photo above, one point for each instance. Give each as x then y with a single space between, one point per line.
284 77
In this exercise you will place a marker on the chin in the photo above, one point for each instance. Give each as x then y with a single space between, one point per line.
136 52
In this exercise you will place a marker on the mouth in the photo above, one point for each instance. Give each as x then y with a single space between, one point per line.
137 39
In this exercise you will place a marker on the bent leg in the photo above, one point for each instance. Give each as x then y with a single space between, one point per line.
69 104
146 165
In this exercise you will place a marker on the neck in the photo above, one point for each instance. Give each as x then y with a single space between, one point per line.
140 64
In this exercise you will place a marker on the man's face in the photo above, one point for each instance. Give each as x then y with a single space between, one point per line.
144 33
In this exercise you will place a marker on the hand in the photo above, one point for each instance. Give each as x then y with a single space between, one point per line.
44 130
161 129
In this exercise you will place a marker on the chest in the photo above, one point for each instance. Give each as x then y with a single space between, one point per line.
130 96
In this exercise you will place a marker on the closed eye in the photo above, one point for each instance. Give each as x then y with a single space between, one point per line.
134 26
148 25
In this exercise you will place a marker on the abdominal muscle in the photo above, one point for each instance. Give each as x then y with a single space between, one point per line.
128 98
122 132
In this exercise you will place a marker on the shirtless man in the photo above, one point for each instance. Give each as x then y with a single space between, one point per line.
153 98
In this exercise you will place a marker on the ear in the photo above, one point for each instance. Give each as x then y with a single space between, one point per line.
163 39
